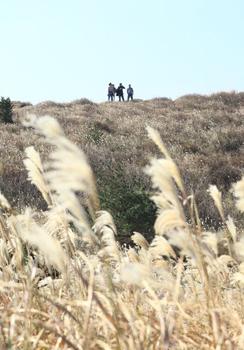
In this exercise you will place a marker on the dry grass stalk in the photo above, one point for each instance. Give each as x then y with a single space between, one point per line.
239 193
35 170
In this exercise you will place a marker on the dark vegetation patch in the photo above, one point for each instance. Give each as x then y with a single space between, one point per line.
222 174
231 140
128 201
104 127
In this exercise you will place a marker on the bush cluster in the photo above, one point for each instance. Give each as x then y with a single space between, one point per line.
6 110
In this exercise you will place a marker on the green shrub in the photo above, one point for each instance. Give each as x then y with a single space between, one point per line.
128 202
6 110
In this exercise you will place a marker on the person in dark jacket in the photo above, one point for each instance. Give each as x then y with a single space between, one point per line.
120 92
130 93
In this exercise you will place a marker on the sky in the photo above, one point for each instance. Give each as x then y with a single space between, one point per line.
62 50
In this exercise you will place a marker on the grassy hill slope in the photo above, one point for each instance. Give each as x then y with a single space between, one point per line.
204 134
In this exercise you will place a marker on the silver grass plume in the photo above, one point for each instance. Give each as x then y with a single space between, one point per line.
210 239
164 175
4 254
4 204
238 189
58 226
35 235
160 247
105 229
140 240
231 228
68 172
167 182
155 137
217 197
36 174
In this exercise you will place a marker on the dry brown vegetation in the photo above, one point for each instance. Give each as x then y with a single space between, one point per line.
66 283
204 134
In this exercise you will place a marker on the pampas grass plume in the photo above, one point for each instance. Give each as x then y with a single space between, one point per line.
4 204
35 170
238 189
217 197
32 233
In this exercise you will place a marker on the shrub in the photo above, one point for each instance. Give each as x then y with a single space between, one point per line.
83 101
129 203
222 174
6 110
231 141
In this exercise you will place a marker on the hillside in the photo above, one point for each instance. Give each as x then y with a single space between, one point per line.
204 134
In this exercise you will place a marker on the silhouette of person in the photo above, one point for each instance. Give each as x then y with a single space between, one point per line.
130 93
120 92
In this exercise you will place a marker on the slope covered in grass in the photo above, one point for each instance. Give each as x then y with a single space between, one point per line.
204 134
66 282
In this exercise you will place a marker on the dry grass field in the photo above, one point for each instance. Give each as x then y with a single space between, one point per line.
203 134
75 185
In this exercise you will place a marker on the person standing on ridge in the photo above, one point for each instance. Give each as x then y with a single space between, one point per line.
130 93
110 92
120 92
114 90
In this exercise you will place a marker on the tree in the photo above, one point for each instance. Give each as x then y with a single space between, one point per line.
6 110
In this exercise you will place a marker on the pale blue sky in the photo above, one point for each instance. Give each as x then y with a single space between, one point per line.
63 50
